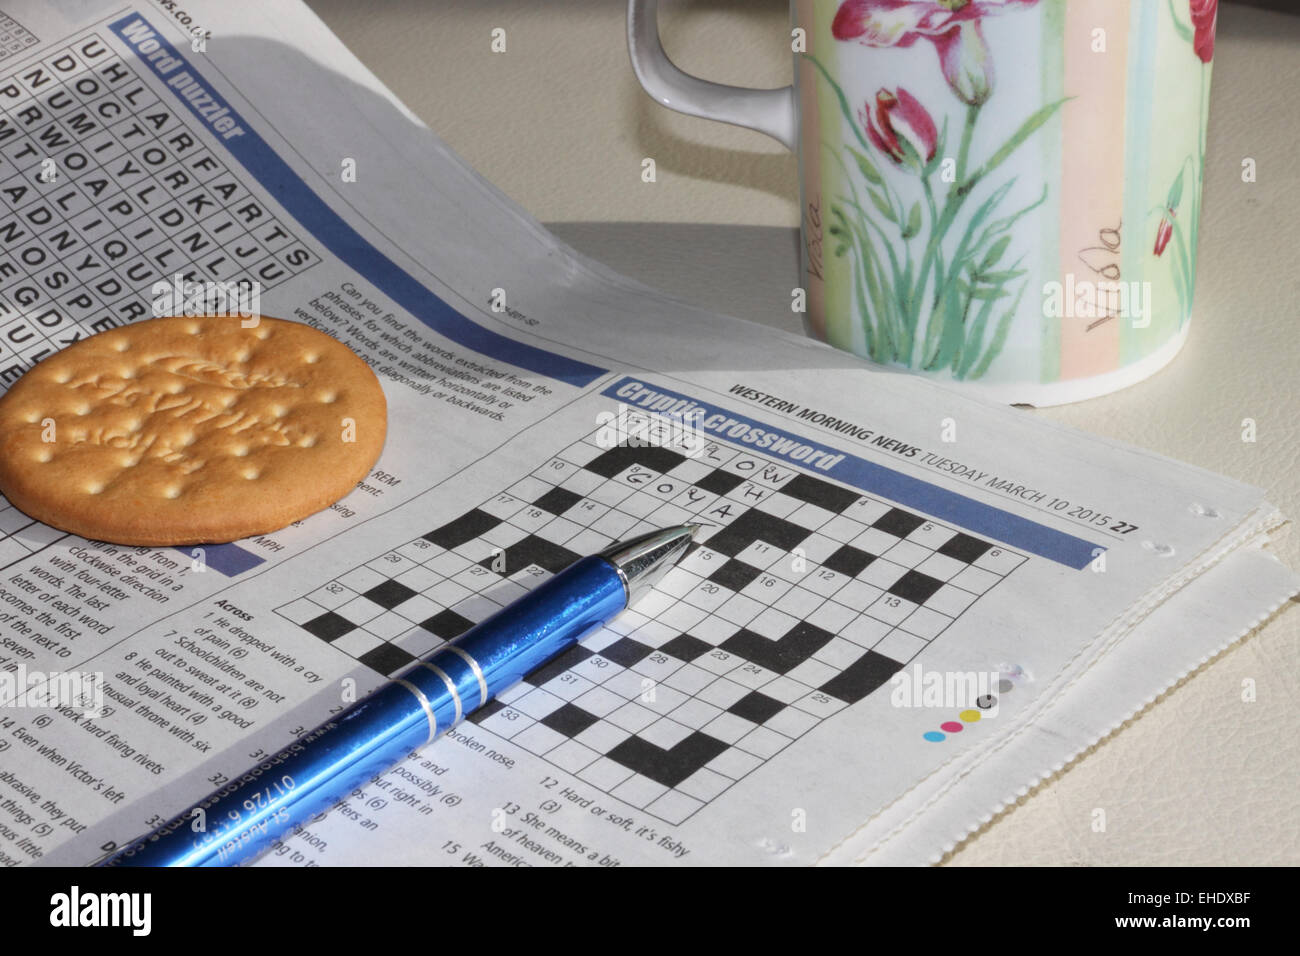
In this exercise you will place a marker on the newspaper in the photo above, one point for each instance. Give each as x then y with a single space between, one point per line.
897 589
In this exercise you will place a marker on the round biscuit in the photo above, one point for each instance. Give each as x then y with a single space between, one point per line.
190 430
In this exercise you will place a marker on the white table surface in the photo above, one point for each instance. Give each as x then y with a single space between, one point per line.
559 124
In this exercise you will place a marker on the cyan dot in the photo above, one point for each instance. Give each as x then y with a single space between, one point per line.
934 736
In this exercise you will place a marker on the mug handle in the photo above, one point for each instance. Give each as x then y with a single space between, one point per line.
768 111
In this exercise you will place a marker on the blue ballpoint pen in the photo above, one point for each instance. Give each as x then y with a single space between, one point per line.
243 819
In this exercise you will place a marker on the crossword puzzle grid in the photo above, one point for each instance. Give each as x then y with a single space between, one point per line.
800 598
14 37
135 198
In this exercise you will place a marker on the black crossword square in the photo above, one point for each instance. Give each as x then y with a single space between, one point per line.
756 707
736 575
686 648
486 711
718 482
569 720
534 550
447 624
668 767
898 522
558 500
619 459
823 494
386 658
329 626
964 548
465 528
389 594
848 561
625 652
756 525
860 678
782 655
915 586
558 665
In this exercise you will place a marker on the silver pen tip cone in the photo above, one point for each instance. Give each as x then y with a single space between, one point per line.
642 561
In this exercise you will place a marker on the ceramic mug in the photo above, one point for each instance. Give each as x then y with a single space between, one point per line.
1000 193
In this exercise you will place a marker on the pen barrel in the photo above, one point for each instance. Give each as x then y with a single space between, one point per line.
244 818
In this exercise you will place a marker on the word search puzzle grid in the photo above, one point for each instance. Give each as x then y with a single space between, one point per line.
800 598
105 191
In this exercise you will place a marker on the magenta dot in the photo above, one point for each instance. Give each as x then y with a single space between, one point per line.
951 726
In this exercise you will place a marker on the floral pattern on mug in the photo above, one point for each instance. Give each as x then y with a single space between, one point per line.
1199 32
953 26
947 299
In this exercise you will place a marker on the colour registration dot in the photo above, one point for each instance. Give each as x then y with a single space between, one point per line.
933 736
970 716
951 727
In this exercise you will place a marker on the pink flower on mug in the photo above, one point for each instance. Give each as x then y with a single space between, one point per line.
953 26
1164 232
1204 14
900 127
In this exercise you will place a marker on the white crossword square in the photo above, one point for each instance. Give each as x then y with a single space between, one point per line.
638 790
301 611
695 713
604 774
926 623
999 561
940 567
361 579
538 739
419 578
689 679
898 646
674 807
950 600
704 784
976 580
733 763
572 756
865 631
907 553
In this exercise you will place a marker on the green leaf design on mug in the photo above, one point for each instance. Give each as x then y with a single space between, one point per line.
926 295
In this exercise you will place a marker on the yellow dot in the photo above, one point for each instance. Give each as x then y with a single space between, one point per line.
172 492
311 358
329 397
251 473
45 454
121 345
970 716
94 488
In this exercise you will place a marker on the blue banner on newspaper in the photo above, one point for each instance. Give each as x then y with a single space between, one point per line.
870 477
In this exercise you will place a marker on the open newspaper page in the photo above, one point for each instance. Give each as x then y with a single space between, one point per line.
891 585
